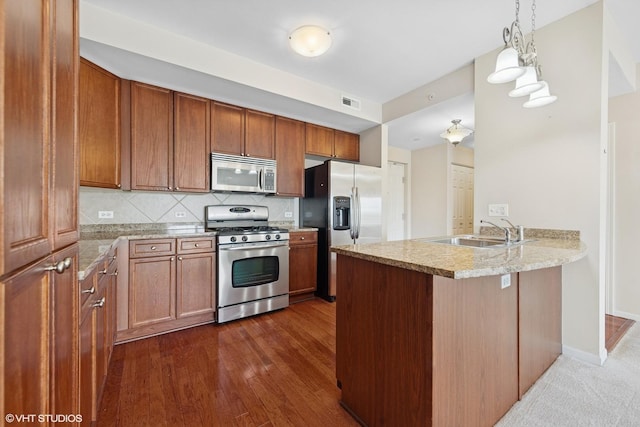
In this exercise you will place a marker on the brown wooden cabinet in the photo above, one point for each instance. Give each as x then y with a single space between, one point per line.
290 143
242 132
303 264
171 285
99 127
326 142
191 143
38 312
151 137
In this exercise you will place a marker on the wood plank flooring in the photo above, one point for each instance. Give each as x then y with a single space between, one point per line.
276 369
615 328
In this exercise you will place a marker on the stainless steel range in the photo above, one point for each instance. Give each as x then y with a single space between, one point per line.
253 261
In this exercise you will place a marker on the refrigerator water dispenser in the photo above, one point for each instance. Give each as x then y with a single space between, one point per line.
341 212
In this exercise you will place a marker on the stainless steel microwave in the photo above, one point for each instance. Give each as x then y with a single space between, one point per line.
244 174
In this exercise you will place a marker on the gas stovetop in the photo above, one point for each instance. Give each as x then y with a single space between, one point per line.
242 223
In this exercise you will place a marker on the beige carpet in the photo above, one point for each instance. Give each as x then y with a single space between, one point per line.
576 393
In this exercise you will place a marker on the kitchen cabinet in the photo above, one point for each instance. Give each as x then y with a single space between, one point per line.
169 140
242 132
38 254
96 329
290 146
151 137
303 264
326 142
171 285
99 127
191 143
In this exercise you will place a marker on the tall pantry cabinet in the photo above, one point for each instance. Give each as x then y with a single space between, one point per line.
38 207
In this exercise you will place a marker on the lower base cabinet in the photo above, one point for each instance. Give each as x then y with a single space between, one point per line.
171 286
303 265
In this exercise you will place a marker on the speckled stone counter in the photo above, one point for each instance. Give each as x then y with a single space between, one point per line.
460 262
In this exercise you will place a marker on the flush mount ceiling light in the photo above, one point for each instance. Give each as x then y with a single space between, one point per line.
456 133
310 40
519 61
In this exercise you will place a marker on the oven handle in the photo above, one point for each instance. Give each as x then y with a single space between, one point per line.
241 248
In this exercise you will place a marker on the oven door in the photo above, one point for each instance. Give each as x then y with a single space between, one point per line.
252 271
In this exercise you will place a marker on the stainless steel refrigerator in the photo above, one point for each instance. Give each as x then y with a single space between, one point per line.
344 201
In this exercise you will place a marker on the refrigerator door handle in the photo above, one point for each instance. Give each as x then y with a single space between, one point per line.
358 214
352 215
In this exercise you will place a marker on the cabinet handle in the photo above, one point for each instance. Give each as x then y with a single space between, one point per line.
114 273
99 304
103 271
89 291
302 238
61 266
153 248
169 188
171 259
113 258
196 245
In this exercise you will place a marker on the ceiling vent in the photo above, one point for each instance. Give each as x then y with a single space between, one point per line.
351 102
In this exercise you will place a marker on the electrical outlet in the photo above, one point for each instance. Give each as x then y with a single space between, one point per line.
181 214
288 214
105 214
499 209
505 281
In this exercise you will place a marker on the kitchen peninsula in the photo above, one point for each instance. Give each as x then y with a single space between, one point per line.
438 334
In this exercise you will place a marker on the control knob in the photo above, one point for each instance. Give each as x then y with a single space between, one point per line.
277 237
267 237
244 238
233 238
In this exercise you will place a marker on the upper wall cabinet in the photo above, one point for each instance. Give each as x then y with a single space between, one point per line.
290 142
326 142
99 127
169 140
236 130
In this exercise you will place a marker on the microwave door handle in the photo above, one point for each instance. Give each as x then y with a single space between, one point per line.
261 179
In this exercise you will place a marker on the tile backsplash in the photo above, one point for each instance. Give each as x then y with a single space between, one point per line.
138 207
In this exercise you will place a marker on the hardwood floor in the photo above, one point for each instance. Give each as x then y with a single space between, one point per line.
276 369
615 328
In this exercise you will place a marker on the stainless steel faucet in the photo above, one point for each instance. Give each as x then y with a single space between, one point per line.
507 231
519 228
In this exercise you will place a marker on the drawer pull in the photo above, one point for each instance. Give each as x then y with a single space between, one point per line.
179 258
99 304
61 266
115 273
153 248
104 271
196 245
302 238
92 290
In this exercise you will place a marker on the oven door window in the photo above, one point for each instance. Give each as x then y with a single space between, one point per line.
255 271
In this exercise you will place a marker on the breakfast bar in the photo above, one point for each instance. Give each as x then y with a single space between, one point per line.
430 333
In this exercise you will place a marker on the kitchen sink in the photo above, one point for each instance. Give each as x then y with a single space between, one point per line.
469 240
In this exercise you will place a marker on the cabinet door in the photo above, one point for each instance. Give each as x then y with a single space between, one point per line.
151 137
227 128
319 140
24 341
196 279
347 146
260 135
25 133
87 392
151 290
64 141
64 334
191 143
290 143
303 262
99 127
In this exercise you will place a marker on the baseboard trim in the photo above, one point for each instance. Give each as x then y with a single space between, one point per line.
594 359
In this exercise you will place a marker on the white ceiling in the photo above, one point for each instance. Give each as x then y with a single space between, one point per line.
380 49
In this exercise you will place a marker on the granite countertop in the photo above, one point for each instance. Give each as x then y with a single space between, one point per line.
461 262
96 240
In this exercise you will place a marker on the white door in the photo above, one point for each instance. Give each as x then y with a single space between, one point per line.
397 219
462 193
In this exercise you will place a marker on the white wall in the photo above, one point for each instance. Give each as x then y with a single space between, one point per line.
429 190
546 162
624 111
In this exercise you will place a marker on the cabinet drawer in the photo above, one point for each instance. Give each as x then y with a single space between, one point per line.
303 237
196 245
154 247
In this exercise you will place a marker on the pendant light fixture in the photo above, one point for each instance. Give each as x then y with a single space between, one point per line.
519 61
456 133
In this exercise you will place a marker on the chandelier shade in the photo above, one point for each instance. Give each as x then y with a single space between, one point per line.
540 98
527 84
456 133
507 67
